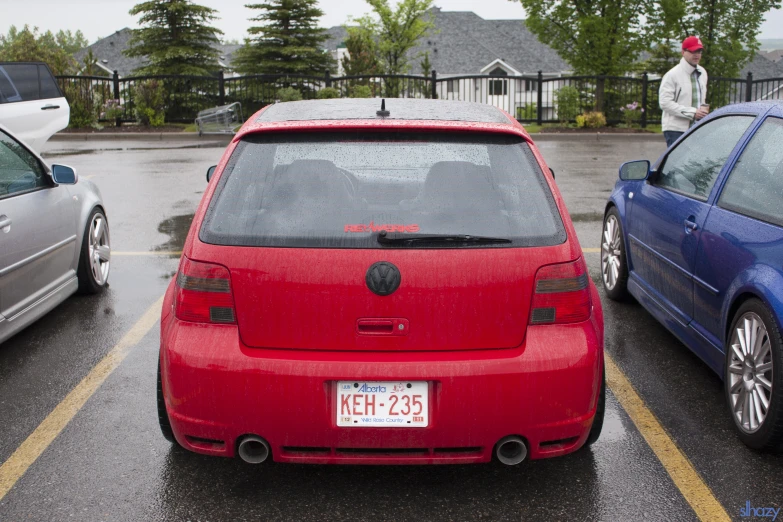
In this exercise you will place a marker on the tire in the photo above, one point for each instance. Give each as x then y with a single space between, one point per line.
745 379
95 255
600 411
163 415
614 263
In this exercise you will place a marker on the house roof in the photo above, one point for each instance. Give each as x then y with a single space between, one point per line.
762 68
465 43
109 54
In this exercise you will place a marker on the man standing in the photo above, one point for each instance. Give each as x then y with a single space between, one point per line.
683 92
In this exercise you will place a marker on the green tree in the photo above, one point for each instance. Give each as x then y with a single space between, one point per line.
286 41
601 37
30 46
426 65
727 28
396 31
175 38
71 42
362 57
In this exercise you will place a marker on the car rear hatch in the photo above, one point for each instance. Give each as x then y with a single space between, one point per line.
382 242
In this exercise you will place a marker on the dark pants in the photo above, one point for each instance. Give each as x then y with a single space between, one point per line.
671 137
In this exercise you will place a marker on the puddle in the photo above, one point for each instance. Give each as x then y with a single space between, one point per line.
177 228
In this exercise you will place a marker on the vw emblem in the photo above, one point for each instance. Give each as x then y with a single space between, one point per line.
383 278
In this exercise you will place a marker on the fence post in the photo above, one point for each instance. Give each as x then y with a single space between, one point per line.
749 87
644 100
327 79
221 87
116 79
434 85
540 100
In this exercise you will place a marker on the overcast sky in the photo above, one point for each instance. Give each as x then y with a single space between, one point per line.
99 18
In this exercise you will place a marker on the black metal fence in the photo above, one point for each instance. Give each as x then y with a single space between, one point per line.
530 99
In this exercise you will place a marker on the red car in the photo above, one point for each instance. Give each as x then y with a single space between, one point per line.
394 286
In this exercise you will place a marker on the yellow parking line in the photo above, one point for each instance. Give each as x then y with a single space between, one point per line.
591 250
32 448
163 253
677 465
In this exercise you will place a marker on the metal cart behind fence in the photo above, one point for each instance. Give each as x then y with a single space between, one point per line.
220 120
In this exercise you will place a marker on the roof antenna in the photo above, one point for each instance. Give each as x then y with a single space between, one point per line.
383 111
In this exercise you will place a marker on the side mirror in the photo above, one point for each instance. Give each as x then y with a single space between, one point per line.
635 170
210 171
64 175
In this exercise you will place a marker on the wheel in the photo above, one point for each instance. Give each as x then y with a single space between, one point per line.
95 257
163 415
614 264
600 411
753 379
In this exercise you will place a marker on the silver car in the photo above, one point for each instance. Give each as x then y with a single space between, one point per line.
54 236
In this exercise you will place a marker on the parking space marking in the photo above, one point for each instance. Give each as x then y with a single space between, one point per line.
591 250
677 465
32 448
162 253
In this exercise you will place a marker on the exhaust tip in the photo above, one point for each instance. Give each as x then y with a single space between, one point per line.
511 450
253 449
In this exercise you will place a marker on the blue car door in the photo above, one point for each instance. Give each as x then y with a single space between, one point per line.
743 235
670 209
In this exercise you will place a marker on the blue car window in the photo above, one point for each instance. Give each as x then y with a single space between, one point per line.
755 186
20 171
693 166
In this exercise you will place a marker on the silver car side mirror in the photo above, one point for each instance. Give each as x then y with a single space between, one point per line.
64 175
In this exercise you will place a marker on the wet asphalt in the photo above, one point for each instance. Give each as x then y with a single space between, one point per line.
111 463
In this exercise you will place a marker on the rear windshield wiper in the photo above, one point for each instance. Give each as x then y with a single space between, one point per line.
401 239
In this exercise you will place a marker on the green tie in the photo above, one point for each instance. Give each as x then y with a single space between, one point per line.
695 90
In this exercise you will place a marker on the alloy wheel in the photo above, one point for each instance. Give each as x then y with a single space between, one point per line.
750 372
610 252
99 249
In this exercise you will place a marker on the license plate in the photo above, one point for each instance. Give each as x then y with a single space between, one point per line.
402 404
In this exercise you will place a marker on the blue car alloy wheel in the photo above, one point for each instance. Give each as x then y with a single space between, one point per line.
753 376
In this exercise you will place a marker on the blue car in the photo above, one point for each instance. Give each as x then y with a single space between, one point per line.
697 239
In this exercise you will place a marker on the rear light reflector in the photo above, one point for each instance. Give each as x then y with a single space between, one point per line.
204 293
562 294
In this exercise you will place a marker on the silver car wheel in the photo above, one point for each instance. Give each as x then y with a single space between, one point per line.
610 252
750 372
99 249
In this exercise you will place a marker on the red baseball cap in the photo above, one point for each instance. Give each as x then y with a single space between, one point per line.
692 43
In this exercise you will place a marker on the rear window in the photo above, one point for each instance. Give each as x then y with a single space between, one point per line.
343 190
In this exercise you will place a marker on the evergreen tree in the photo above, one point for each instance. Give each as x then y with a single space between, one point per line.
175 38
362 57
286 41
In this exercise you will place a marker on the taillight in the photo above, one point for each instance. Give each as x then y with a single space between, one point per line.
562 294
204 293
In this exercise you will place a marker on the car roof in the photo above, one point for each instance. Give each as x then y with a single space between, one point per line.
398 109
755 107
352 114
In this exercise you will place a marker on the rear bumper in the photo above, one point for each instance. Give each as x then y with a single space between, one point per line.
217 390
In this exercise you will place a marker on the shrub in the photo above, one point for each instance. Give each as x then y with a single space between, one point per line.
631 113
328 93
361 91
84 110
288 94
149 99
567 103
591 120
527 112
112 110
